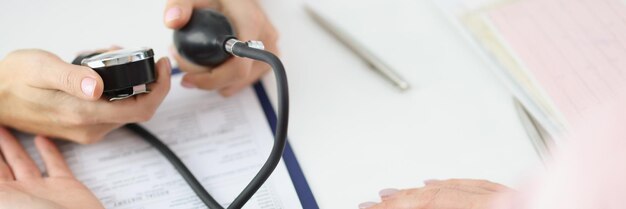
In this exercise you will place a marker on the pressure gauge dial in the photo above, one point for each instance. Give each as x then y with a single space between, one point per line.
125 72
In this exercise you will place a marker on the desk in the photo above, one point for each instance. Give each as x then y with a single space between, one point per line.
352 132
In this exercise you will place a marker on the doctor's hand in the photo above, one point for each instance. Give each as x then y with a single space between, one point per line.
248 20
42 94
23 186
457 194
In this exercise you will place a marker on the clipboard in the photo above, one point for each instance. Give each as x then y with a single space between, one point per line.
298 179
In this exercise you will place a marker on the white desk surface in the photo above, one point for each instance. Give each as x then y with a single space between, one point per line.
352 132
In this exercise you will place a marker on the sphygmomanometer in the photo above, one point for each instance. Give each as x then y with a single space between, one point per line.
209 40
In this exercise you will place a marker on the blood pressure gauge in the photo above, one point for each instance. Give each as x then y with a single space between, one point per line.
125 72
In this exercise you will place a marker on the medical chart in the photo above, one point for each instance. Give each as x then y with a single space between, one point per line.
562 59
224 142
574 49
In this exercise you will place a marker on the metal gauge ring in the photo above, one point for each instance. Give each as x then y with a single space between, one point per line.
125 72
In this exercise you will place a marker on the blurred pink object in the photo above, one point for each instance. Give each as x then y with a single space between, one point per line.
589 172
575 49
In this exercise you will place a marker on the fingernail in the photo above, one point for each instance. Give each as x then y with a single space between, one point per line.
172 14
366 205
387 192
88 85
188 85
430 181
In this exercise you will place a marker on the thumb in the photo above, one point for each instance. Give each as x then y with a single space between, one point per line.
79 81
177 13
44 70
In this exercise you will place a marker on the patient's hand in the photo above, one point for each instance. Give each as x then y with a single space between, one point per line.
23 186
449 194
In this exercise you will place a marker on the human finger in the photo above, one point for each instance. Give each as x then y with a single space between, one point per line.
487 185
471 189
408 202
387 193
178 12
258 70
270 36
22 166
5 171
366 205
52 158
229 72
88 134
47 71
431 198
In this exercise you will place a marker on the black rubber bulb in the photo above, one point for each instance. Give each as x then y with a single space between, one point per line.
202 40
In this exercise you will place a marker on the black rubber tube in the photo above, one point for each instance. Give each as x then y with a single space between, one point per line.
195 185
242 50
280 141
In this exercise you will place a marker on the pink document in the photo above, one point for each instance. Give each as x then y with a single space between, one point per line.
575 49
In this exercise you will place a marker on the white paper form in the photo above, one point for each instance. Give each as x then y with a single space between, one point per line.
223 141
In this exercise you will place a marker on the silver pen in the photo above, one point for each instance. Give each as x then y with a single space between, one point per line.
376 63
537 134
